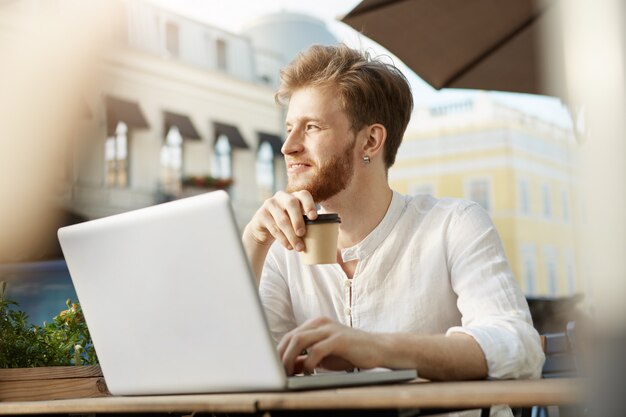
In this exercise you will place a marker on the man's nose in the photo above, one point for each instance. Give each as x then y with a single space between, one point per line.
293 143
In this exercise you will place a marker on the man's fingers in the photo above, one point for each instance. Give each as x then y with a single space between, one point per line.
307 203
316 354
325 354
298 367
282 223
296 205
310 324
296 344
282 217
294 210
268 226
336 363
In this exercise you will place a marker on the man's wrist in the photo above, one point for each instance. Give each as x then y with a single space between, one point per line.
255 252
395 352
387 351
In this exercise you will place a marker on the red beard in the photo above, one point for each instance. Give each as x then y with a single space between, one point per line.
333 176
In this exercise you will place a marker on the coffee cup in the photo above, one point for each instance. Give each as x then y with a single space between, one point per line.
320 240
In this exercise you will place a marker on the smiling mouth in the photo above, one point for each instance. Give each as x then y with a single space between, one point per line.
296 168
298 163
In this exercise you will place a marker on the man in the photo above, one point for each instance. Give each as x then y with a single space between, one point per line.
419 282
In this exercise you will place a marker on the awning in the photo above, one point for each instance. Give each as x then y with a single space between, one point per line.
119 110
274 140
182 122
482 44
232 133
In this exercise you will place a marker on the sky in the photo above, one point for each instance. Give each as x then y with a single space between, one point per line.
233 15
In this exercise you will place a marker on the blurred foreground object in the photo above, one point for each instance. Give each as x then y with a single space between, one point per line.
50 55
587 48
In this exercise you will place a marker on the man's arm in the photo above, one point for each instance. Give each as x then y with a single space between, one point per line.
337 347
438 357
493 308
279 218
255 251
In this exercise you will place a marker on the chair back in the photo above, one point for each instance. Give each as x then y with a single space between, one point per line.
560 354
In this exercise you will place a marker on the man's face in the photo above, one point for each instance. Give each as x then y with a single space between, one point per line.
319 150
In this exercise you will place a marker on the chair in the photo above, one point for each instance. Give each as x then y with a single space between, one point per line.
561 362
559 351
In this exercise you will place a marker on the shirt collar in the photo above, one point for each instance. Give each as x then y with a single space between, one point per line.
365 247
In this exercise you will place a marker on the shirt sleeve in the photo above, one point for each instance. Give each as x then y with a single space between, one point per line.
275 298
494 310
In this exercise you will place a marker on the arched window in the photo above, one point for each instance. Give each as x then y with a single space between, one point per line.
265 170
116 157
222 157
172 159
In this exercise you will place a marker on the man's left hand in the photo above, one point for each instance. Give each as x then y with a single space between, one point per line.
329 345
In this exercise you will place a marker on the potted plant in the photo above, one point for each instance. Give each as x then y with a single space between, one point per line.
53 361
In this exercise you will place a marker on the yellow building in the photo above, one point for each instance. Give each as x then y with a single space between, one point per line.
518 167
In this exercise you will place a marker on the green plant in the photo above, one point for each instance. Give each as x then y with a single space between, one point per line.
64 341
206 181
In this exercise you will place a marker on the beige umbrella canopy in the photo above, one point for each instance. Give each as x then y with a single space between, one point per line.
481 44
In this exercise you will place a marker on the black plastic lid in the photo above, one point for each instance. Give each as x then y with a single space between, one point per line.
323 218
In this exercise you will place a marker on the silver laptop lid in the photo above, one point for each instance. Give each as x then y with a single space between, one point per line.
163 295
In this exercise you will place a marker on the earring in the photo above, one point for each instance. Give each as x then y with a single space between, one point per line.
366 160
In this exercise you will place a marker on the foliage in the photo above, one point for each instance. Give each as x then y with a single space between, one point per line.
64 341
207 182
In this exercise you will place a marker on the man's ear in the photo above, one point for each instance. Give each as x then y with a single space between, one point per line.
376 136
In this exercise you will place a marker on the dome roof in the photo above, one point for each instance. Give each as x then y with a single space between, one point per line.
287 33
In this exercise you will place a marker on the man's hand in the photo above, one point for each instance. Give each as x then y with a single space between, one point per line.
321 342
329 345
279 218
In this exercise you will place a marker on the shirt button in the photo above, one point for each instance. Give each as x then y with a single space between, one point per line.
347 283
348 311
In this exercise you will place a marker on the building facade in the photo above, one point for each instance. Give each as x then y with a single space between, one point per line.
519 168
181 110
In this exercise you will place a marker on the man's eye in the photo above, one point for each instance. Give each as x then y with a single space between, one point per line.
311 127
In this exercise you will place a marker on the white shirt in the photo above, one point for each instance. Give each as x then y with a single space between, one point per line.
432 266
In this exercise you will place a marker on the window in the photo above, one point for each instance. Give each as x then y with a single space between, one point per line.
221 54
551 270
550 257
265 170
172 160
565 205
478 191
116 157
571 272
547 203
524 196
221 167
529 271
209 50
171 38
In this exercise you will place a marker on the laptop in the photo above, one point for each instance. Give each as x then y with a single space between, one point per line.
173 308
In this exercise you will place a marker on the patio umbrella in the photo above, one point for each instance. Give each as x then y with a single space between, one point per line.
481 44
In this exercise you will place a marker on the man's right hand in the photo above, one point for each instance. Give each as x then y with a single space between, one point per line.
279 218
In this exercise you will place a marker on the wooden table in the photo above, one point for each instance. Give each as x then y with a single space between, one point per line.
415 395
